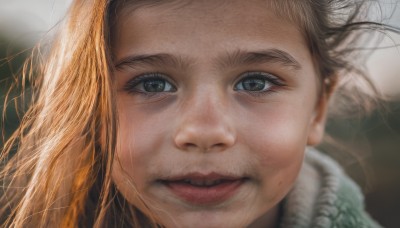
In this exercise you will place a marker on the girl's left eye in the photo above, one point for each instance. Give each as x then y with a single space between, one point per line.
257 82
149 84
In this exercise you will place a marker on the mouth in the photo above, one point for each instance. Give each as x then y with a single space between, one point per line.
204 189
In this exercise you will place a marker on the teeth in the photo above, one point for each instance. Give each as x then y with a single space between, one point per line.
197 182
202 182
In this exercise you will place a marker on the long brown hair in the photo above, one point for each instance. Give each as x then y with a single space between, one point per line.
60 174
72 112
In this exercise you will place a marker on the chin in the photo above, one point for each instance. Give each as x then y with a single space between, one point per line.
209 219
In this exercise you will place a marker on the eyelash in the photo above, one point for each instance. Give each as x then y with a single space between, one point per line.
274 81
267 77
131 85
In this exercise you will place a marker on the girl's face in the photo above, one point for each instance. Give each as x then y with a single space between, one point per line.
217 101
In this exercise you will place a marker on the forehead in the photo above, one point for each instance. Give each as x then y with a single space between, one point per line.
293 12
288 9
297 12
203 30
254 17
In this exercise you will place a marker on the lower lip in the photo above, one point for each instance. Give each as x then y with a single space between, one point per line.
205 195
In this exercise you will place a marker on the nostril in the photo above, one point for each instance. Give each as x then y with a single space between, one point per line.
189 145
219 145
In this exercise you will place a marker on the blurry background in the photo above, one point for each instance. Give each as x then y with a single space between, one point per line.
368 146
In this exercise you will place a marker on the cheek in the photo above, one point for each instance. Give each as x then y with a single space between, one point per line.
137 144
140 142
278 140
278 134
132 140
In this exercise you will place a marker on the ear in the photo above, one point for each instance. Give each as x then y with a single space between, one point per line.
317 125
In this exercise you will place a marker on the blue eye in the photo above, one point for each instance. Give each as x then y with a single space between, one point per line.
149 83
155 85
253 84
257 82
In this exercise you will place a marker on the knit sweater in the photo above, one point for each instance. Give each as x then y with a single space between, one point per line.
323 196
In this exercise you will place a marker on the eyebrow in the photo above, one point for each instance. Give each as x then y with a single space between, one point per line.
236 58
241 57
161 59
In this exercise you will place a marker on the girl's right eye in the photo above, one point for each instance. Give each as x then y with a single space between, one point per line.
149 84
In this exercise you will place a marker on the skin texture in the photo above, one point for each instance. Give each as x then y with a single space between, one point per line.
207 122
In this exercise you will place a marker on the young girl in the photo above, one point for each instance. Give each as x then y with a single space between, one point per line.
150 113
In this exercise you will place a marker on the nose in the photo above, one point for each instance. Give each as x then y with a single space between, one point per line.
205 125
